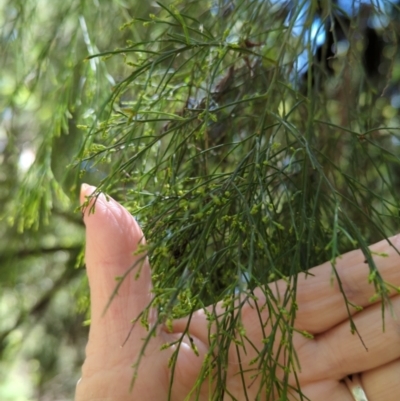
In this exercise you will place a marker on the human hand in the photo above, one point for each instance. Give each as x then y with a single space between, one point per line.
112 236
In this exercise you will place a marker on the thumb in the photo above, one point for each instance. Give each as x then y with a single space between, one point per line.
112 237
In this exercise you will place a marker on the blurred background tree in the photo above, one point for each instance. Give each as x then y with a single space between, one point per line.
252 140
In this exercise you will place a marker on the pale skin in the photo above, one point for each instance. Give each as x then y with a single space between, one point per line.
112 236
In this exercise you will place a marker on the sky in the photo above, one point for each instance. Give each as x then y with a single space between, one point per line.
316 35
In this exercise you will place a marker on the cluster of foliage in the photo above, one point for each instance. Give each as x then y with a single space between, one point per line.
251 139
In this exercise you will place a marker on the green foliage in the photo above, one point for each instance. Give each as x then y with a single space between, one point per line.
240 170
231 170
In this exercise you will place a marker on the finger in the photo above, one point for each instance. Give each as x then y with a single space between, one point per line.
382 383
320 300
338 353
112 237
325 390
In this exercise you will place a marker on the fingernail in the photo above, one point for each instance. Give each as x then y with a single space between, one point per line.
86 190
